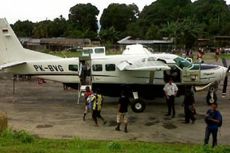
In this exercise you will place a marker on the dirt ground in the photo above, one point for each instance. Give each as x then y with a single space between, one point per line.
49 111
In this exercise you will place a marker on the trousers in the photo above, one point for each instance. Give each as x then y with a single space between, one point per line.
208 132
171 105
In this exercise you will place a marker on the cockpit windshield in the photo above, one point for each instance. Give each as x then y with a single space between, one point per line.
182 62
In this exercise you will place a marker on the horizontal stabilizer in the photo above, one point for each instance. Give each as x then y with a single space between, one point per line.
10 65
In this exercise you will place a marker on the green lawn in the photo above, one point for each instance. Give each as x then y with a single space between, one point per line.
227 56
72 54
65 53
22 142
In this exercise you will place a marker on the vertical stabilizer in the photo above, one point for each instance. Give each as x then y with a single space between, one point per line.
11 49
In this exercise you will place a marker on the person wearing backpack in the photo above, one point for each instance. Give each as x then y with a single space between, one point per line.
213 120
97 102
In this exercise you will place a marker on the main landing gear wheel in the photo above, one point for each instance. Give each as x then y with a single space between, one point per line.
138 106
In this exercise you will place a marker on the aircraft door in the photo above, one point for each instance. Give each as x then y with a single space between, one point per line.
85 72
190 76
174 73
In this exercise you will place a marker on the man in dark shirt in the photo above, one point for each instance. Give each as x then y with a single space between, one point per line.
122 111
189 101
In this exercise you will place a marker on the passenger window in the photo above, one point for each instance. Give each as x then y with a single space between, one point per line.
73 67
97 67
88 51
110 67
99 50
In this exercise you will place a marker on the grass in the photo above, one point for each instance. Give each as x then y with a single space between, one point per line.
227 56
22 142
65 53
73 54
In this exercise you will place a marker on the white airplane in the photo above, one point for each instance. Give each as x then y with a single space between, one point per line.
17 60
137 69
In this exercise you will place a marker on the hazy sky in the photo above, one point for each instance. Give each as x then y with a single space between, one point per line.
37 10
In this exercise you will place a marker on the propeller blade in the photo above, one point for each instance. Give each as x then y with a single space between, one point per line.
224 91
224 61
225 85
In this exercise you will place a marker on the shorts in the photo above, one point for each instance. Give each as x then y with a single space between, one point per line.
122 116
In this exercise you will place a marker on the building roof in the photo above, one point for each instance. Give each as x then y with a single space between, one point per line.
128 41
65 41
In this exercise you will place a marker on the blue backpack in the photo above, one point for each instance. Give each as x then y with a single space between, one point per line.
221 120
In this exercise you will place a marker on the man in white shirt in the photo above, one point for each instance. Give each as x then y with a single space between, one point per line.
170 90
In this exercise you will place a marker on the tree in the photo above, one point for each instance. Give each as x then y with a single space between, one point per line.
135 30
185 33
41 29
153 32
189 32
163 11
215 14
57 27
119 16
84 17
110 35
23 28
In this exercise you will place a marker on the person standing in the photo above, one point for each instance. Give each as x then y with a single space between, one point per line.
123 111
189 108
97 102
87 100
217 56
213 120
170 90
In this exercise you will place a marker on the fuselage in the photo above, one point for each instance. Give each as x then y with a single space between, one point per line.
136 68
149 84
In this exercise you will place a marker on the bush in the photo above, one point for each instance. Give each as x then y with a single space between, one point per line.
3 121
21 135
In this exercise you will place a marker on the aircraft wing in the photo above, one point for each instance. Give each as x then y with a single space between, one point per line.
142 65
10 65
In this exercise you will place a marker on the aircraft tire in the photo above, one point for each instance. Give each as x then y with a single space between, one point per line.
138 106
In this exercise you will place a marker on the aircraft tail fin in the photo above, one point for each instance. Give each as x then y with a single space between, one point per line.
11 49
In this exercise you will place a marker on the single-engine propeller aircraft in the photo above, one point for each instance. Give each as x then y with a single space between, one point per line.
137 69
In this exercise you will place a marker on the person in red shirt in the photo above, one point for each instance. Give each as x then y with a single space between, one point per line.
87 95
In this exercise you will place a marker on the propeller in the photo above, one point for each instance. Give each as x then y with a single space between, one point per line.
226 78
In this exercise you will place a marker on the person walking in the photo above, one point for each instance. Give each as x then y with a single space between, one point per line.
123 111
189 108
97 102
170 90
213 120
87 100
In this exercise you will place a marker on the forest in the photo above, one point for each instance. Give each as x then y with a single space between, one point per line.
183 20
